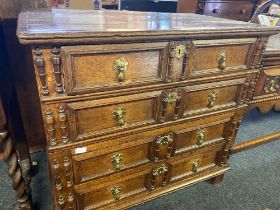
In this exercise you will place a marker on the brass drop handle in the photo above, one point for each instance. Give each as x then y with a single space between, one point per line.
272 87
117 161
221 59
120 66
171 97
212 97
118 115
200 136
194 165
215 11
116 192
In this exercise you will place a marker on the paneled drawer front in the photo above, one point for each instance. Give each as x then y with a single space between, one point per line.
103 67
232 10
268 82
208 57
96 117
89 166
126 185
183 168
147 147
213 96
112 192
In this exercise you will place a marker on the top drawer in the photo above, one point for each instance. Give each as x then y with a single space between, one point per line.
106 67
208 57
124 67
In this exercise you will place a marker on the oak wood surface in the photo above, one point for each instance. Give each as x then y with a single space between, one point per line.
40 26
167 121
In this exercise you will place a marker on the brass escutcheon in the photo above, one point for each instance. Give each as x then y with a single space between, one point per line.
194 165
120 65
180 51
118 115
116 192
200 136
212 97
117 160
160 170
221 59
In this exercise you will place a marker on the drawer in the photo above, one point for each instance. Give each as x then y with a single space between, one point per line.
92 68
210 57
268 82
240 10
147 147
213 96
94 118
99 117
122 187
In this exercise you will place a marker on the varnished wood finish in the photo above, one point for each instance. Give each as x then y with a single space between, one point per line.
147 106
241 10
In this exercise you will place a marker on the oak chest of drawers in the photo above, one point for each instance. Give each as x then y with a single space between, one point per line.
136 105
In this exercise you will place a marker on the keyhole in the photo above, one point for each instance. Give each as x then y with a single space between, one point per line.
179 52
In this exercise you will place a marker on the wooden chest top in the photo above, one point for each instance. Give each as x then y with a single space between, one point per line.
75 26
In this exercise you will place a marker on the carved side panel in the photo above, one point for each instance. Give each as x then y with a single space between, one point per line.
56 60
56 123
230 135
256 58
63 124
40 64
47 62
62 179
171 59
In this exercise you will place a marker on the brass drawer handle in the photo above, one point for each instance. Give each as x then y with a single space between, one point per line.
212 97
171 98
117 161
272 87
221 59
116 192
120 66
194 165
160 170
200 136
118 115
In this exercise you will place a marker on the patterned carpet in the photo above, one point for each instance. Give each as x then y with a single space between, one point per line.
252 184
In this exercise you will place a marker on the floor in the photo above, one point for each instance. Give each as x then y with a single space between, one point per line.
252 184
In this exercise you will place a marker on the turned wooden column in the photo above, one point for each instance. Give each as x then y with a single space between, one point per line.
18 170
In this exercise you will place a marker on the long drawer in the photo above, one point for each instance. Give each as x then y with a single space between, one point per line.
94 118
147 147
119 188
